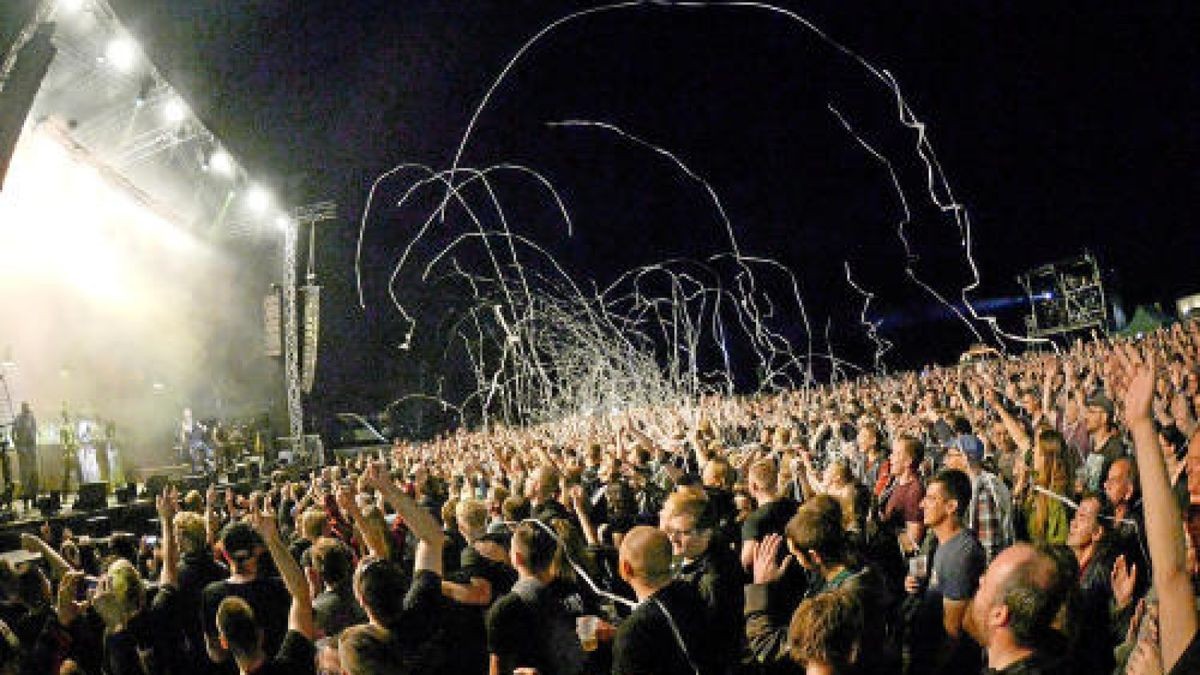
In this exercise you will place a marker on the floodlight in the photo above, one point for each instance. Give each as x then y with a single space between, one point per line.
258 199
221 162
121 53
174 111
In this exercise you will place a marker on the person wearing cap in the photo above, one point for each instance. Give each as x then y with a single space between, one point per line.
989 514
266 596
1106 441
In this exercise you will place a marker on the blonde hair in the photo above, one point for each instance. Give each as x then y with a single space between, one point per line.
471 515
312 524
127 587
763 476
191 530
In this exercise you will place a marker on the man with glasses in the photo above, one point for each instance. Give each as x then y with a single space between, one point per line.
689 521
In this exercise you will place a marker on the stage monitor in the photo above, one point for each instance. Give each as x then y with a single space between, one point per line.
92 496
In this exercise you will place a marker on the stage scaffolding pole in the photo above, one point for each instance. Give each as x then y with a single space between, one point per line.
291 359
308 215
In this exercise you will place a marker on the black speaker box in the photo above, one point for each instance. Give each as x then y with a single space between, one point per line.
91 496
23 82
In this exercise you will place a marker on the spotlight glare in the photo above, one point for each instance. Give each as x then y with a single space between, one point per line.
283 222
258 199
221 162
121 53
70 5
174 111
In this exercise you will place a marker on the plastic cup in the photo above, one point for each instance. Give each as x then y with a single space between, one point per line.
918 566
585 626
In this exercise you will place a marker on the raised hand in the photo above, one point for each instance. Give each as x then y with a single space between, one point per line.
263 520
65 605
345 498
167 504
1123 580
1139 394
766 567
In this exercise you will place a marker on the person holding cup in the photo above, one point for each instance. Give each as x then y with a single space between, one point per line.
955 564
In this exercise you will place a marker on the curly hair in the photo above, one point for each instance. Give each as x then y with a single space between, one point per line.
826 629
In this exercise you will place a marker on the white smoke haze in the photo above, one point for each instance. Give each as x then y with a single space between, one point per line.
110 305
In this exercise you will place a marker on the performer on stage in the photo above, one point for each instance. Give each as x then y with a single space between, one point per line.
70 450
25 438
89 465
191 439
115 473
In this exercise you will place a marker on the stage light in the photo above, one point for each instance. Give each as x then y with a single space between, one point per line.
174 111
258 199
221 162
121 53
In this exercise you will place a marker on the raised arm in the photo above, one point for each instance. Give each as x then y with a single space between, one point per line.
420 521
1015 428
58 565
167 504
1177 604
300 616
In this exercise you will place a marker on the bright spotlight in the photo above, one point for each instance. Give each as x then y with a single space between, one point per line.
283 222
70 5
121 53
258 199
221 162
174 111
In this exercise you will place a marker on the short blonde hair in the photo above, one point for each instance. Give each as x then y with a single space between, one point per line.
763 475
312 524
191 530
471 515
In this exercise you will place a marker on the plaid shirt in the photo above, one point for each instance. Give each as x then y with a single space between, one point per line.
990 514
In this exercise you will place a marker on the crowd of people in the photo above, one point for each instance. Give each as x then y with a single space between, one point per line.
1034 514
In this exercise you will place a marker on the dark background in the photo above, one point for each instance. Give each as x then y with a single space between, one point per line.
1060 129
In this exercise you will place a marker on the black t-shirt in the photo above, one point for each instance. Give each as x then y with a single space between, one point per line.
143 633
646 643
1189 662
268 597
475 564
770 518
296 656
196 572
452 551
529 627
337 609
551 509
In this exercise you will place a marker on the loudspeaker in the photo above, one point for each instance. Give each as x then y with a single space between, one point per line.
91 496
49 504
155 485
23 82
127 493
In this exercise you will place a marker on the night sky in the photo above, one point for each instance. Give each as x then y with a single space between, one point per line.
1060 130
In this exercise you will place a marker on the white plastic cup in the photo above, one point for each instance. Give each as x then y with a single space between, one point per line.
918 566
585 626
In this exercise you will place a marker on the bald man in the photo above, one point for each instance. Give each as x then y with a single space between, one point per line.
1012 612
668 632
